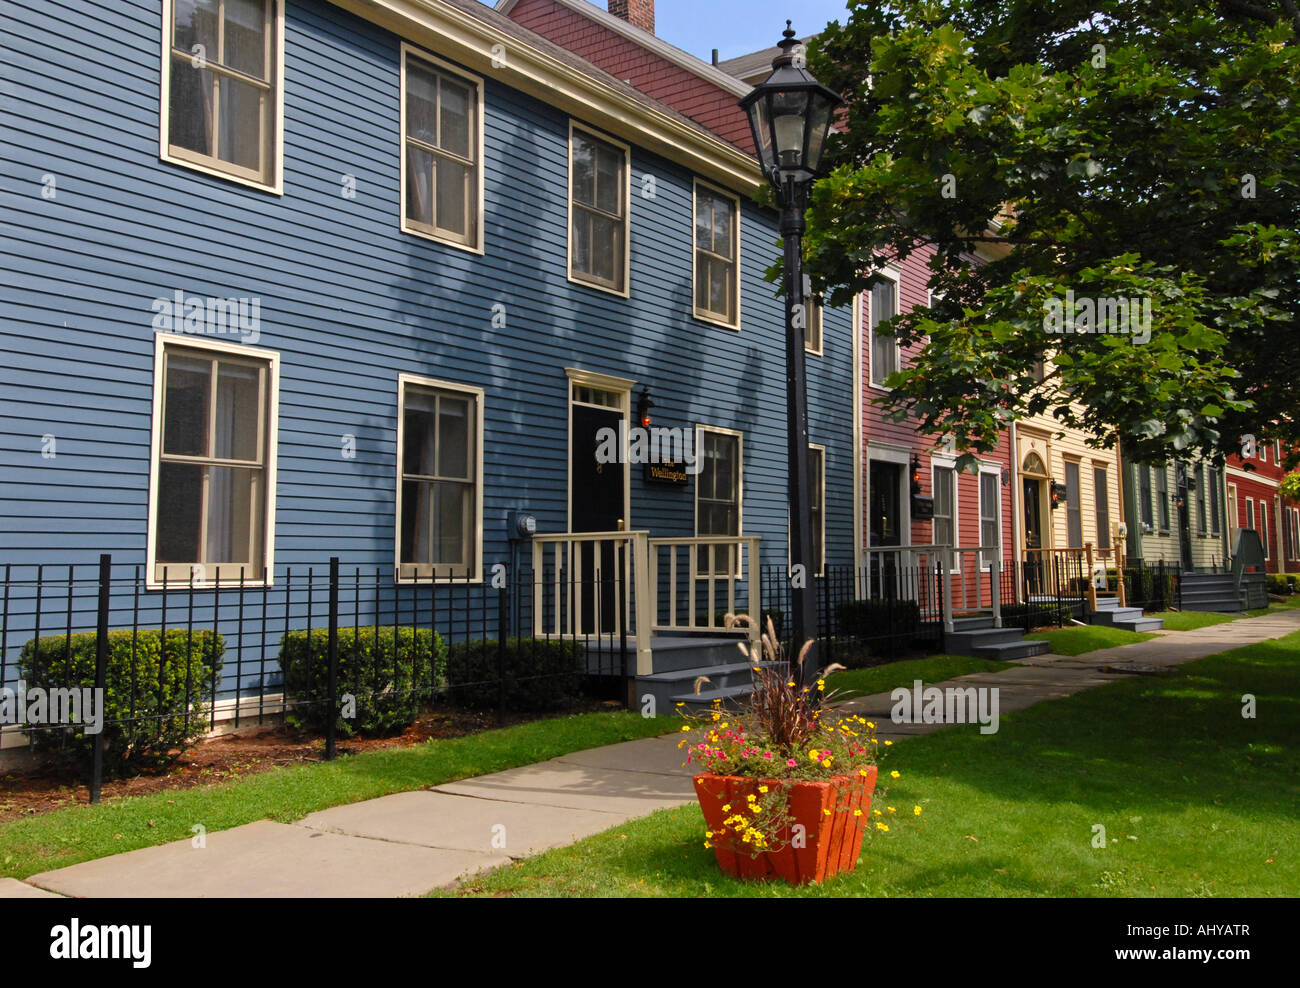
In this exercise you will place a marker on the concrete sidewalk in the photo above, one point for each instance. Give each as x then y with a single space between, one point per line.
412 842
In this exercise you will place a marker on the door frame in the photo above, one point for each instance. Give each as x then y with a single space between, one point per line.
903 457
1046 523
619 385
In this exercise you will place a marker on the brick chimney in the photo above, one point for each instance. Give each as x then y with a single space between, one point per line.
638 13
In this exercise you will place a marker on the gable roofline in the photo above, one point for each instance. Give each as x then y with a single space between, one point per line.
529 63
671 53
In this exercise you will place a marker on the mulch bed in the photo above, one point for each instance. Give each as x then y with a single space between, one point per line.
33 791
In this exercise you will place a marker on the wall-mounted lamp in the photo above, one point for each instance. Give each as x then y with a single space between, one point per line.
916 475
643 406
1059 494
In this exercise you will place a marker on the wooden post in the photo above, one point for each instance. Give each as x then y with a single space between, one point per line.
1092 587
1120 560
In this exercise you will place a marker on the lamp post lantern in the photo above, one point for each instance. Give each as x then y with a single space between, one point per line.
790 115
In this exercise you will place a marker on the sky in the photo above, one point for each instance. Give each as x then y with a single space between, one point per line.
737 27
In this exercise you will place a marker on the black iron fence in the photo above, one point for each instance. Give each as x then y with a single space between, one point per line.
97 664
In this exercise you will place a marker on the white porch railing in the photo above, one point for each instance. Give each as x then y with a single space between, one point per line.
594 585
712 571
944 580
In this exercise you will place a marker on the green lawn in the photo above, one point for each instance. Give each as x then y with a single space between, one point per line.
1076 640
934 669
80 833
1196 801
1191 620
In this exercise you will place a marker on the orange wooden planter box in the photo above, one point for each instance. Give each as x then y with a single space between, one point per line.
832 843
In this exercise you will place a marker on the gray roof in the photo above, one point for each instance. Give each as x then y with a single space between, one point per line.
756 66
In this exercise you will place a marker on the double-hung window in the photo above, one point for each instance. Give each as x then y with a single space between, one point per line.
945 502
1144 496
598 212
440 470
884 348
717 252
1073 506
213 485
442 112
817 484
812 327
990 530
717 497
1101 496
222 87
1162 496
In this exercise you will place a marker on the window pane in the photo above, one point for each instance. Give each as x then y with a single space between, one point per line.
582 241
453 438
584 171
451 186
704 222
722 210
189 107
417 521
720 288
419 185
185 404
609 183
421 104
239 389
234 517
240 137
882 303
195 23
606 241
455 118
452 504
418 434
180 503
245 41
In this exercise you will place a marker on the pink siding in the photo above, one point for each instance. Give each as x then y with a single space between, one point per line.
657 77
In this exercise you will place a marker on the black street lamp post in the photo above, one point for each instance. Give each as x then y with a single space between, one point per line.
790 116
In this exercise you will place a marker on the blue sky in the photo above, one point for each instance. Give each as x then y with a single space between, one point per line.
737 27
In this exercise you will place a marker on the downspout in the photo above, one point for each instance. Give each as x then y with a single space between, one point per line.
1016 547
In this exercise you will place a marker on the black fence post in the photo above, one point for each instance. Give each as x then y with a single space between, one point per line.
503 619
331 725
101 671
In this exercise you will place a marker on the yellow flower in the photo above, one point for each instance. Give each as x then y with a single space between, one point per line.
890 808
916 811
857 813
884 827
762 789
726 807
871 724
895 774
877 812
821 684
814 756
827 812
887 743
686 727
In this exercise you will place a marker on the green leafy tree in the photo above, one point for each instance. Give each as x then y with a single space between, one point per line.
1147 149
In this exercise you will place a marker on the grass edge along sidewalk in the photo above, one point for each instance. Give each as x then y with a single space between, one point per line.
1196 801
75 834
82 833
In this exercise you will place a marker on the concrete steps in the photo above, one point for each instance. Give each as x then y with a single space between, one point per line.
977 636
1109 613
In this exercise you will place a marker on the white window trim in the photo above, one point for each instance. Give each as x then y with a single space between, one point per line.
591 132
275 187
1066 462
700 429
1264 525
704 315
161 341
603 382
894 275
996 471
480 486
947 463
1098 502
889 453
813 304
789 561
441 65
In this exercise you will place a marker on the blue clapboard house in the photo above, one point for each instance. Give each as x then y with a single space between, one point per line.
286 280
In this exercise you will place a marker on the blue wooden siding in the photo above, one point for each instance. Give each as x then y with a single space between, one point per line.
347 300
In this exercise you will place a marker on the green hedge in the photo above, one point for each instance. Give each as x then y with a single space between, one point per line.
386 672
149 690
881 626
539 675
1142 586
1281 584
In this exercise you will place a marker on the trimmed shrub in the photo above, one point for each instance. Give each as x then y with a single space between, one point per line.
155 698
1028 616
540 676
881 626
1279 584
387 672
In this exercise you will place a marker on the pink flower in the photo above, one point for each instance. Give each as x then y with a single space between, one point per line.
790 762
767 756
